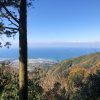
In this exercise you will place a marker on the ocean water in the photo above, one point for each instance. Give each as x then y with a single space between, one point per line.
54 53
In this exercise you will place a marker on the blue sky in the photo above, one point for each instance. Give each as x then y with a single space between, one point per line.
61 21
64 21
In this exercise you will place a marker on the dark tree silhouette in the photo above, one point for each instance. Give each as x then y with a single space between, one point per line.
13 19
23 51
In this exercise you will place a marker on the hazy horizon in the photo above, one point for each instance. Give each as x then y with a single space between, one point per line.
59 44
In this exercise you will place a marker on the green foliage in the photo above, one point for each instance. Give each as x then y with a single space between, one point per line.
35 91
37 75
84 85
10 92
91 88
8 85
9 89
57 93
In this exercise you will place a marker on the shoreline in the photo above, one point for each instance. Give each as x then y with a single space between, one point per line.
32 63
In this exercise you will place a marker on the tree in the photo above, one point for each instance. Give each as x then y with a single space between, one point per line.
13 19
83 84
23 51
75 82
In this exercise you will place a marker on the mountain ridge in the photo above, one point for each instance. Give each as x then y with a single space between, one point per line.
86 61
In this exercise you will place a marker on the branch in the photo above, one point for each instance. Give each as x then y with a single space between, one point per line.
12 22
11 28
10 13
8 19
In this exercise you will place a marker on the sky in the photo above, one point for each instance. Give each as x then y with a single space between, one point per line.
62 21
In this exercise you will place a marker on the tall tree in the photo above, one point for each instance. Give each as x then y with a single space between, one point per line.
13 19
23 51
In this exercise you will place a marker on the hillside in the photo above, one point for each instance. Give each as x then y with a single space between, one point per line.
68 79
86 61
60 71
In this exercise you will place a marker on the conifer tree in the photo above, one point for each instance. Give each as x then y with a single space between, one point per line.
13 20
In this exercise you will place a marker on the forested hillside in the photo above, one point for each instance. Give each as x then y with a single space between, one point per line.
73 79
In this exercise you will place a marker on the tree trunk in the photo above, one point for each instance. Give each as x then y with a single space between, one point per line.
23 80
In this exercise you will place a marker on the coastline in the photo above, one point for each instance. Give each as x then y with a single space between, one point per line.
32 63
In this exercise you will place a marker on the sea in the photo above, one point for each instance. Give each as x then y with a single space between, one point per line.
53 53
